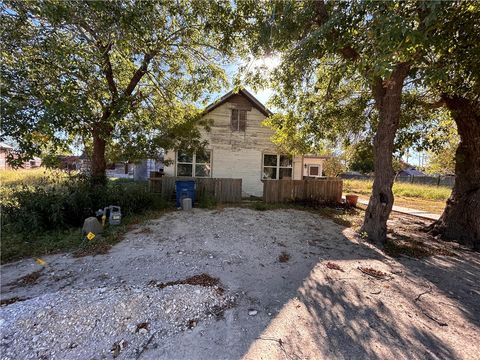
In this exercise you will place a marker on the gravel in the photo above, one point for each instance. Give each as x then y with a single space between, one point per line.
104 322
306 308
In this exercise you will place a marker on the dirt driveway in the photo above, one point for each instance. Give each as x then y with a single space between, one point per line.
292 285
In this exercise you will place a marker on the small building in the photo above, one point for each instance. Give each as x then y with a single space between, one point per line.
410 171
6 149
240 146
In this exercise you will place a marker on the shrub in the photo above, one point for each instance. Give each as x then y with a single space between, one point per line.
59 206
206 202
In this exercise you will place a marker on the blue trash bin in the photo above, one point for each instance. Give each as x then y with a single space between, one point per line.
184 189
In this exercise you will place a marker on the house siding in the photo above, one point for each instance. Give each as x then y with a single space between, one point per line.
235 154
313 161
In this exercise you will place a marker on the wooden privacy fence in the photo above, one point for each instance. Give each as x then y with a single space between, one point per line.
222 190
328 190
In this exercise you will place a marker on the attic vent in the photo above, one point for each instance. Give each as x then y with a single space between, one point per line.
238 120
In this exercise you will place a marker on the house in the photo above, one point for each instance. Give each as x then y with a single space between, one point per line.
6 149
410 171
240 146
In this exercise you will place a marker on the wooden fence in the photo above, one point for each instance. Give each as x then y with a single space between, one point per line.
222 190
328 190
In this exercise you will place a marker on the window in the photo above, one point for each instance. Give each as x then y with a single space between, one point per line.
238 120
313 170
277 167
194 164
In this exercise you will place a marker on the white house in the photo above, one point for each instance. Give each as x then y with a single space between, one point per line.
240 146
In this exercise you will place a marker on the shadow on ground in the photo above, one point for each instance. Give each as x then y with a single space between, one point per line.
306 307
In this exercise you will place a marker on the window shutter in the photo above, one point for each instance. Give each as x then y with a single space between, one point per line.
234 120
242 120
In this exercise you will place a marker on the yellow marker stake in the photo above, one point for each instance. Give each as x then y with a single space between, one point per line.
104 218
41 262
90 236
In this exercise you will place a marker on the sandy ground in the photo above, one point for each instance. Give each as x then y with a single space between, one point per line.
306 308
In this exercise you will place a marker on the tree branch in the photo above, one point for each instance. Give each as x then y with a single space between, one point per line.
348 52
137 76
108 71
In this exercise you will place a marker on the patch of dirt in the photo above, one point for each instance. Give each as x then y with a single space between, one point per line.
29 279
99 248
284 257
5 302
144 230
407 235
202 280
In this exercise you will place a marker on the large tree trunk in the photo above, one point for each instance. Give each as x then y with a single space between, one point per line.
460 220
388 98
99 163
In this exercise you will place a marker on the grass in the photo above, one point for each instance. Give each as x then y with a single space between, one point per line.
29 176
418 196
407 190
16 246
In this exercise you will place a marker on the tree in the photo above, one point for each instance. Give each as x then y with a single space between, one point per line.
453 75
113 73
441 159
360 157
379 43
333 165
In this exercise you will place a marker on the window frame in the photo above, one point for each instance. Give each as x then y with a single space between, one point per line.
194 163
318 170
238 126
277 167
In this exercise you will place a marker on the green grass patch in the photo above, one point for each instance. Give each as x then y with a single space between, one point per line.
16 246
420 191
30 176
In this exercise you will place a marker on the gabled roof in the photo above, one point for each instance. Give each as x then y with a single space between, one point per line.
257 104
412 172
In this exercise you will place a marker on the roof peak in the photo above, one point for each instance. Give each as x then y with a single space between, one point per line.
243 92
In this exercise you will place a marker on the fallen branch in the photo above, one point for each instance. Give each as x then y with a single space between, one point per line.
423 293
441 323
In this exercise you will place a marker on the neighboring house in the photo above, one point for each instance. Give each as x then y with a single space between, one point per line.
69 162
240 146
6 149
411 171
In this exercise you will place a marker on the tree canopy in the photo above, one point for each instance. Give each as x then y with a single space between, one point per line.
127 75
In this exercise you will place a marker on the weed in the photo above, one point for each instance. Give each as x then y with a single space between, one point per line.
259 206
206 202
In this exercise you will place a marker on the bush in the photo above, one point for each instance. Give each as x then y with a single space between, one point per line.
60 206
206 202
